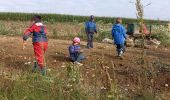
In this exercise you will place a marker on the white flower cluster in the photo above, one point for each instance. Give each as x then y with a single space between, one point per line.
163 29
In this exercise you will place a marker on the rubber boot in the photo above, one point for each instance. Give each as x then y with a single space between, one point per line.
35 68
43 71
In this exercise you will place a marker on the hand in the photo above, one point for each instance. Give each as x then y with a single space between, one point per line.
24 45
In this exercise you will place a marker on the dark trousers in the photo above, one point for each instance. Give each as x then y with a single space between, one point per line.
120 48
89 40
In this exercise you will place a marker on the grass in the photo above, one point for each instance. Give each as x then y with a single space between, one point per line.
68 82
69 30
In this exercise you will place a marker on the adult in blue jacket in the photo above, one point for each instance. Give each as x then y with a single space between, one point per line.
90 28
119 36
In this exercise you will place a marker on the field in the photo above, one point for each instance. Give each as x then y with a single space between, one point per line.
129 77
102 77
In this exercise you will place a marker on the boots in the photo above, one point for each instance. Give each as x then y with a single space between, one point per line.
120 54
35 68
43 71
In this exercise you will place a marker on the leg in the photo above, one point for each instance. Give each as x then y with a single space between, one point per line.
80 57
118 49
45 46
35 67
72 59
91 41
88 40
39 49
38 54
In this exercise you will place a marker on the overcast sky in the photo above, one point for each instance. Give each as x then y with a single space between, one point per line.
115 8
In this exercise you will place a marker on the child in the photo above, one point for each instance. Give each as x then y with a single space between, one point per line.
119 35
40 43
90 28
75 52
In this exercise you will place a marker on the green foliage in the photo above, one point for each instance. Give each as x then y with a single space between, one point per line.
165 40
52 18
4 30
104 34
160 36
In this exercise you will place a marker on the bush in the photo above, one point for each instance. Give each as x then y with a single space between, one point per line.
162 34
104 34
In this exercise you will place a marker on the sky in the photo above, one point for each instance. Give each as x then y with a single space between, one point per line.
159 9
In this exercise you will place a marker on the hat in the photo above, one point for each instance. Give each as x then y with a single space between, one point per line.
37 18
76 40
92 17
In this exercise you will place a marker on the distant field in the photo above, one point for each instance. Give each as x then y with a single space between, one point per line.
68 18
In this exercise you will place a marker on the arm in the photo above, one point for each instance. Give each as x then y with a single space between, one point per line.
28 32
112 32
72 50
95 28
26 35
124 32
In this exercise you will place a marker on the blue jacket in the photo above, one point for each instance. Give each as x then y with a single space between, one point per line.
74 52
119 34
90 27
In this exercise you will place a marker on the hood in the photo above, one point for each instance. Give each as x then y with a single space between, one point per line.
39 24
117 25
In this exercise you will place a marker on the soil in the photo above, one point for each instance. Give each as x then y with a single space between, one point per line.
129 72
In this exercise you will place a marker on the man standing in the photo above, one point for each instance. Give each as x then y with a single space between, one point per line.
90 28
119 36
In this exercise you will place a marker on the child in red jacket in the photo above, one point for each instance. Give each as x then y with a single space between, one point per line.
40 43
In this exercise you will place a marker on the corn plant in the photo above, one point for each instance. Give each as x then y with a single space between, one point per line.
53 18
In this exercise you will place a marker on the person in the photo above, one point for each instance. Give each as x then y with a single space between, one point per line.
90 28
145 30
40 42
76 53
119 36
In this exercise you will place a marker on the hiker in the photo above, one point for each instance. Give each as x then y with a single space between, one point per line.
90 28
40 43
119 36
76 52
